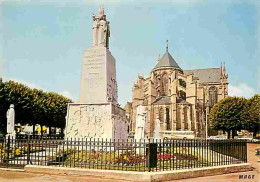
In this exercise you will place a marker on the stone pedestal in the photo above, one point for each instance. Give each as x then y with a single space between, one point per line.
98 79
96 121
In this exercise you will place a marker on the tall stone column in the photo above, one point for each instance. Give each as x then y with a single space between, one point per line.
189 118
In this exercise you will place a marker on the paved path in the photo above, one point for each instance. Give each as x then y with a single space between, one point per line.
15 176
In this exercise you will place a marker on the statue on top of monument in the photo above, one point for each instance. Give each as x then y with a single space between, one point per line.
100 29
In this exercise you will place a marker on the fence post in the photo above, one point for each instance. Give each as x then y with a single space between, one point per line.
28 149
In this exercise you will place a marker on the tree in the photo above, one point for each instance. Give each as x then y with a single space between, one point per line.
251 115
32 106
226 115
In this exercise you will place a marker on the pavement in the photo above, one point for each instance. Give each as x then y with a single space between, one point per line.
250 176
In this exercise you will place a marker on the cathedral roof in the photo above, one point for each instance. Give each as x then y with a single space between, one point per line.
182 101
209 75
162 100
167 61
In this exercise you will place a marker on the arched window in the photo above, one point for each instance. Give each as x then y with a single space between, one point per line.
168 119
161 115
186 118
213 96
178 122
182 83
165 84
182 94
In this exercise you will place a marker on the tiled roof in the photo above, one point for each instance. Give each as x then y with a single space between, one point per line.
209 75
166 100
167 61
162 100
182 101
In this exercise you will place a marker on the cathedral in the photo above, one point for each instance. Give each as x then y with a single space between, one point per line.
179 98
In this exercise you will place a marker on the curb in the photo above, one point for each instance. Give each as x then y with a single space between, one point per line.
10 169
142 176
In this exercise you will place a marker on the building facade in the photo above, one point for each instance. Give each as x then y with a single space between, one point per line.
179 98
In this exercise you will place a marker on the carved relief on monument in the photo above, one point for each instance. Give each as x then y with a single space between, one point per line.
112 90
88 121
96 121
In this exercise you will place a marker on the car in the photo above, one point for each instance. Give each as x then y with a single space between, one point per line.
255 140
243 138
217 137
178 135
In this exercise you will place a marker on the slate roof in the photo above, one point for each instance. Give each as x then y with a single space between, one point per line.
209 75
162 100
166 100
182 101
167 61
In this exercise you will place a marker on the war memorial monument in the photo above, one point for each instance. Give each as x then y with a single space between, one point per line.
97 114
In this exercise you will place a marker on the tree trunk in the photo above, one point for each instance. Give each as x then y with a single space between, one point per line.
233 134
49 131
62 132
41 130
228 134
33 130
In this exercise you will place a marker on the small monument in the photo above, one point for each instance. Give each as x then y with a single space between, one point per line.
10 115
157 128
97 115
140 122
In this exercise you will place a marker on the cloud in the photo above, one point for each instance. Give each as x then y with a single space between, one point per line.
67 94
241 90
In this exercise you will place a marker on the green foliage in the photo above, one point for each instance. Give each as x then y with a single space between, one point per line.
32 106
227 114
251 115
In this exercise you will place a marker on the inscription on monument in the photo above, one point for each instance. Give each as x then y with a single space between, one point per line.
94 76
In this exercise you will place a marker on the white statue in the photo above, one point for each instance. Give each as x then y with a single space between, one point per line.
157 128
101 30
140 122
10 115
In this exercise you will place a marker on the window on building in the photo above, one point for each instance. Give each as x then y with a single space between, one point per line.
182 94
168 119
161 115
213 96
165 84
182 83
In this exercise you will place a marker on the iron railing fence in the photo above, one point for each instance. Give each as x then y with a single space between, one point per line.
129 155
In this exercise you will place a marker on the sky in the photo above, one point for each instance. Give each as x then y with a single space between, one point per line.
42 42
